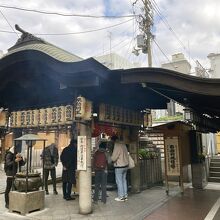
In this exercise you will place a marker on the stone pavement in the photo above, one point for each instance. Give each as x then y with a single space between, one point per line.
193 205
56 208
152 204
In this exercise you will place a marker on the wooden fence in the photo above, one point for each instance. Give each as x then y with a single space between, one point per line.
151 172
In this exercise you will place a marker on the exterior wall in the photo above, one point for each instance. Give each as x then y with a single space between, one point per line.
215 65
50 139
209 144
1 54
218 142
179 63
8 141
62 139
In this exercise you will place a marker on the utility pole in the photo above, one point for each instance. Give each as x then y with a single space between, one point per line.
147 25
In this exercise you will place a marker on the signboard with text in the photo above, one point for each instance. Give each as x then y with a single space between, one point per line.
81 153
172 156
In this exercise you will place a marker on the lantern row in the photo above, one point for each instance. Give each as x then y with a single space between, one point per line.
43 117
115 114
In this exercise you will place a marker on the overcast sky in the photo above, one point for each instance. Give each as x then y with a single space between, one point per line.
190 27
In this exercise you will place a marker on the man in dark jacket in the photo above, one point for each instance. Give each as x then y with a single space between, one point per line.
68 158
51 157
13 161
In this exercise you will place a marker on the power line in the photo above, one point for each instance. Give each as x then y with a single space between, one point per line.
9 23
107 50
72 33
135 28
65 15
156 59
119 43
157 9
163 52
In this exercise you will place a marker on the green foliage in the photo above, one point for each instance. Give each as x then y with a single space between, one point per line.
170 118
145 154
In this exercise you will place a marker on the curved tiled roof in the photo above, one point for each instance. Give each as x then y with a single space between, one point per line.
28 41
49 49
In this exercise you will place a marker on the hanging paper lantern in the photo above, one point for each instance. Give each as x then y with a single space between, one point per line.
68 114
35 113
41 121
23 119
28 118
61 115
54 115
48 116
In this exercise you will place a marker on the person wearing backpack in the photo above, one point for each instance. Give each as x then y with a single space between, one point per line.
13 162
100 165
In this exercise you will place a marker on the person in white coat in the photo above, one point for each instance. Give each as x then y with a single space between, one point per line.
120 161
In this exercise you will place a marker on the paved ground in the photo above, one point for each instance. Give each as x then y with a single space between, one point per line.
56 208
151 204
193 205
2 179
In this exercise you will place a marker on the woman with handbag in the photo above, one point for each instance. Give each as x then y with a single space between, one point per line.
120 160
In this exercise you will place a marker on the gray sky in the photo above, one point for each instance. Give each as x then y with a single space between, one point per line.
186 26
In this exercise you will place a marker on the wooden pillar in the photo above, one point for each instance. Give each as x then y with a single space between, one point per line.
85 176
135 172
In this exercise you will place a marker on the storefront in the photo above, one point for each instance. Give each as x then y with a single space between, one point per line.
40 84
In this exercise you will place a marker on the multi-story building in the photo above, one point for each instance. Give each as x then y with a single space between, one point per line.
178 63
214 65
115 61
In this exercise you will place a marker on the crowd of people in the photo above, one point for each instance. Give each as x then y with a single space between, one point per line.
101 161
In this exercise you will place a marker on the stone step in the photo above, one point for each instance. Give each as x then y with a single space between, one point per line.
214 174
215 159
215 164
214 169
214 179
